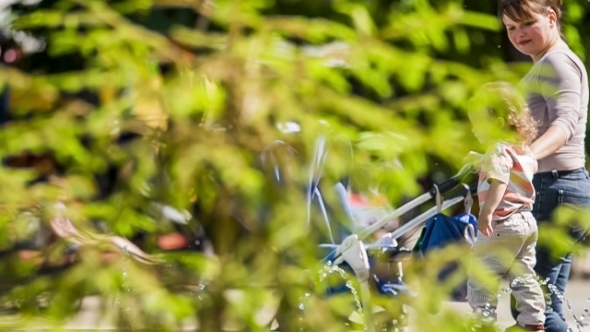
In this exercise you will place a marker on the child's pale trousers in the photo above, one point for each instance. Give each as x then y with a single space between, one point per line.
509 251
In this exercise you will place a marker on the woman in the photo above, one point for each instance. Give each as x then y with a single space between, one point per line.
557 94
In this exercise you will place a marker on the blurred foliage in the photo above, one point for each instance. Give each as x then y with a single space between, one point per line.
171 101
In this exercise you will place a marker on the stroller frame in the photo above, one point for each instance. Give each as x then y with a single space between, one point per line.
353 251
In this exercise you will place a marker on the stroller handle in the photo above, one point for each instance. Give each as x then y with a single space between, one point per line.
442 188
452 182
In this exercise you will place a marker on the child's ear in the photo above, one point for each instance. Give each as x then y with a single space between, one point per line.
500 122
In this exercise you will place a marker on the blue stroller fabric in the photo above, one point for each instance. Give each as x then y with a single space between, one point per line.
442 230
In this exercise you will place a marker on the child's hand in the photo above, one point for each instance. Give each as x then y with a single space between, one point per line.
484 224
473 158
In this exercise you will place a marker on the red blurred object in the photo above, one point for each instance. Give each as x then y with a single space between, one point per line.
10 56
172 241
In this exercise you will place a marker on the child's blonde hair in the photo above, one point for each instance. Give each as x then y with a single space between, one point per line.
503 100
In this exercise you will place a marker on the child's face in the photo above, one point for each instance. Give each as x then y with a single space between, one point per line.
481 126
488 128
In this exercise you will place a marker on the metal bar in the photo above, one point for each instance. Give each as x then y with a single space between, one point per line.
443 187
424 217
397 213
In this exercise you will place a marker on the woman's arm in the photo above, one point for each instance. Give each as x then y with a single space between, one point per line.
551 141
561 86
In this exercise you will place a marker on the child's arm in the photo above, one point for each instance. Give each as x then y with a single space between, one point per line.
495 194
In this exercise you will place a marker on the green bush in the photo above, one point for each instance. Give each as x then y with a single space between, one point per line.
203 100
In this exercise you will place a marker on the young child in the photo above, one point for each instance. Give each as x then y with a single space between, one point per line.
507 230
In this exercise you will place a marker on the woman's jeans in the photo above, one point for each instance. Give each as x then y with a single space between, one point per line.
554 189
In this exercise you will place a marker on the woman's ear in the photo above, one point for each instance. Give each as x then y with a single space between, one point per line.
552 17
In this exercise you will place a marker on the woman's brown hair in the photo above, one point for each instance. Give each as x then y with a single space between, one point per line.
521 10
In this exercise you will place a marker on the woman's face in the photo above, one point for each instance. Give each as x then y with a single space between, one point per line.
532 36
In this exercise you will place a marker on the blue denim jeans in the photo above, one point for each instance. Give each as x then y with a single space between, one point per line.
554 189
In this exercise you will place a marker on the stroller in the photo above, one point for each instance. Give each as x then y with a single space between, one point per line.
352 254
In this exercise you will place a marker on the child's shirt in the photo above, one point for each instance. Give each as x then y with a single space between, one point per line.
511 165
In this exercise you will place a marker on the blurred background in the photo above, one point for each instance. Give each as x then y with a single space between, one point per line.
158 155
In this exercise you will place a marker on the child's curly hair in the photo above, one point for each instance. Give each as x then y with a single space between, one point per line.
503 100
